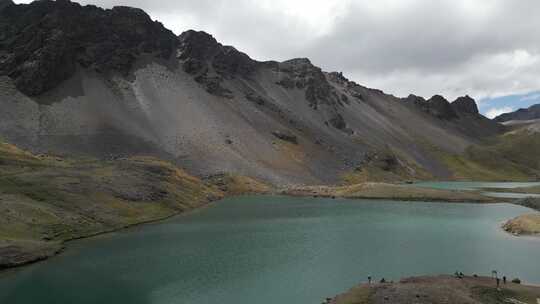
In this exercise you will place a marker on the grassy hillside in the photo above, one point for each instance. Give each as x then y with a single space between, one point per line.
514 156
386 166
46 200
387 191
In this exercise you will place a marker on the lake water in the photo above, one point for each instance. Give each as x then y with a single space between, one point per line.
483 186
262 250
476 185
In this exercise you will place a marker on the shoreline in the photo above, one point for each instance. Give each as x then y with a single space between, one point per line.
57 248
61 246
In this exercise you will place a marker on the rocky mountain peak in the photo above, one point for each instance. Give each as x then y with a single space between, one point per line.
440 107
210 62
200 51
533 112
414 99
465 104
438 99
43 43
197 45
299 62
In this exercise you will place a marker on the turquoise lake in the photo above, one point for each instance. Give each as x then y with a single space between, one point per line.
268 249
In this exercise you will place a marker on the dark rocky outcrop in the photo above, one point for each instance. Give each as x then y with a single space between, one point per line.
338 122
42 43
300 73
437 106
5 3
211 62
414 99
441 108
466 105
286 136
530 113
201 52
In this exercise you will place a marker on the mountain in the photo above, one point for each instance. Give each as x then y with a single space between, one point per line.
531 113
109 83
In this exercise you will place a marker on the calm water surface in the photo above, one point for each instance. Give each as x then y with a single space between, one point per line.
277 250
484 185
476 185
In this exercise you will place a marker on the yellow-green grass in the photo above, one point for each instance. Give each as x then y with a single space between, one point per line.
233 184
510 157
378 169
388 191
527 224
526 190
47 200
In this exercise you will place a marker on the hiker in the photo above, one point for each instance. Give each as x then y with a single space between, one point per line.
369 279
504 280
461 275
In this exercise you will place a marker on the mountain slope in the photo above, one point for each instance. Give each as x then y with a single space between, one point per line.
531 113
112 91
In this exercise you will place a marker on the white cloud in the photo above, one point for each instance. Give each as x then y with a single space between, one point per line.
532 97
494 112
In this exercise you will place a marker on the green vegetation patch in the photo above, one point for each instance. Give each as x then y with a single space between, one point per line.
46 199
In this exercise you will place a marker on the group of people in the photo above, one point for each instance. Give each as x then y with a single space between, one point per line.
460 275
383 280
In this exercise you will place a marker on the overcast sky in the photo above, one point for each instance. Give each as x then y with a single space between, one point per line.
486 49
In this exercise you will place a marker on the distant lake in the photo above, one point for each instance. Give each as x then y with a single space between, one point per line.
475 185
268 249
482 186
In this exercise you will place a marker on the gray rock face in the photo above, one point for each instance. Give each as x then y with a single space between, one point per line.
301 74
42 43
210 62
530 113
465 104
440 107
5 3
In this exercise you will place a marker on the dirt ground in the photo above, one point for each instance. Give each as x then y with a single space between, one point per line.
441 289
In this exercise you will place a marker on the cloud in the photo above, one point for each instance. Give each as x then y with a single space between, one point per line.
484 48
494 112
532 97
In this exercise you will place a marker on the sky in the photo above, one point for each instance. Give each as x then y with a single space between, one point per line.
488 49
